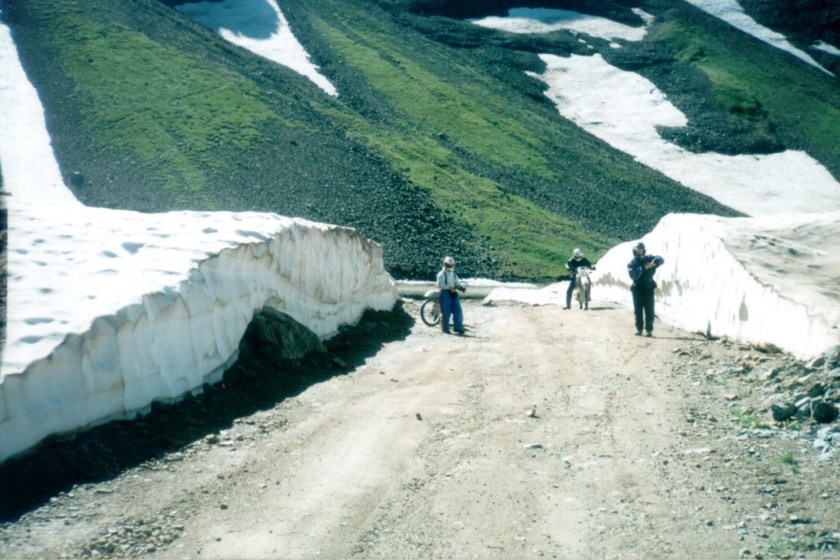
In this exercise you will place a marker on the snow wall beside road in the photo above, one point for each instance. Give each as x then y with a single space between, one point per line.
167 342
769 280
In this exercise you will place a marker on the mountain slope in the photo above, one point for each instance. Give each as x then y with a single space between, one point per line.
439 142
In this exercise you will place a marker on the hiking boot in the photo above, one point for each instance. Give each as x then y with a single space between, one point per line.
648 334
638 333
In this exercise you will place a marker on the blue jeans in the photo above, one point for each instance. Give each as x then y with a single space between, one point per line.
450 305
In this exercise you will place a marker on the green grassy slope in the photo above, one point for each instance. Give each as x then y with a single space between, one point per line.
439 143
502 163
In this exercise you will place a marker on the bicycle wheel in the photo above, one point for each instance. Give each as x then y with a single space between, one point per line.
430 312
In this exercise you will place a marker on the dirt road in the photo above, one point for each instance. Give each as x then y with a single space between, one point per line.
544 433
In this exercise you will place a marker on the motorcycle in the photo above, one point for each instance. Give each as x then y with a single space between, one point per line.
583 287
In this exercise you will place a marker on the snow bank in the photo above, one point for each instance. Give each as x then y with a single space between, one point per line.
758 280
109 310
100 330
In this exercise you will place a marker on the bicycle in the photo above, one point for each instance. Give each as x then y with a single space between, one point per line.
430 309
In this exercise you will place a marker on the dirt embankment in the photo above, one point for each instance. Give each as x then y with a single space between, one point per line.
544 433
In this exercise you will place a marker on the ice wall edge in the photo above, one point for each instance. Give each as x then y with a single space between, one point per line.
174 341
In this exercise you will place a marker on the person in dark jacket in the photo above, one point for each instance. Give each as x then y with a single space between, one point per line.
572 265
641 270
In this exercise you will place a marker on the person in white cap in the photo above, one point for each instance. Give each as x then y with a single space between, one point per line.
572 265
450 303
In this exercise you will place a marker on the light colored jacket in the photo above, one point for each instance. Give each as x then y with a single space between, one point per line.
448 280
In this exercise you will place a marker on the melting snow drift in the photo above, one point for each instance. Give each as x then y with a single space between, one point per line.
770 280
767 281
110 310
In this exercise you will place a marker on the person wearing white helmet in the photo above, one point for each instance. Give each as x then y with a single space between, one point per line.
450 303
572 265
641 270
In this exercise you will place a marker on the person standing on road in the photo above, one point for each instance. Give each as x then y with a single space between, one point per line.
641 270
572 265
450 303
